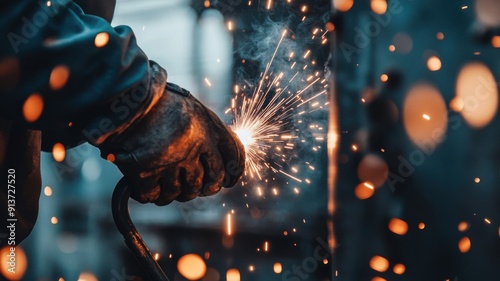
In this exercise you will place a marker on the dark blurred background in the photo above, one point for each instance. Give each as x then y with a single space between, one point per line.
418 160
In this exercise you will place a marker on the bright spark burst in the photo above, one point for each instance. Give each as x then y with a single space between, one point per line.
262 120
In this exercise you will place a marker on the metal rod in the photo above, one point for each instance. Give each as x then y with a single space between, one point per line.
132 238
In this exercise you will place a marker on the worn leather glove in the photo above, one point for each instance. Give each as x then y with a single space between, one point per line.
179 150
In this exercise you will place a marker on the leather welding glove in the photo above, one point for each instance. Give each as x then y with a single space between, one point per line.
177 151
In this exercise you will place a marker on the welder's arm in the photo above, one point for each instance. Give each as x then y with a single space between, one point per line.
77 78
69 74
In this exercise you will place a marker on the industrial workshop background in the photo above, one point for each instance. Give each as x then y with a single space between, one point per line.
389 169
416 87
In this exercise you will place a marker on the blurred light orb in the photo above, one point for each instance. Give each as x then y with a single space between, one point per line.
425 99
463 226
16 259
378 278
402 42
379 263
398 226
464 245
487 12
101 39
233 274
457 104
434 63
379 6
33 108
495 41
68 243
364 190
59 77
87 276
399 268
476 87
47 191
10 70
277 267
91 169
330 26
211 275
373 168
59 152
343 5
191 267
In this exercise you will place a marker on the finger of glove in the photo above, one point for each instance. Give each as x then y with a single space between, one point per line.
144 185
230 147
191 178
233 155
144 190
214 172
170 186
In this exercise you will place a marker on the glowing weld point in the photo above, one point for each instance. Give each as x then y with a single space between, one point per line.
246 137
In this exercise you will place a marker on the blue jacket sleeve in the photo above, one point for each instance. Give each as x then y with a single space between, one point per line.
69 74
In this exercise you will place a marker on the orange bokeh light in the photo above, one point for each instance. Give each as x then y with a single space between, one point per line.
434 63
59 77
343 5
33 108
477 90
379 6
13 263
425 132
59 152
364 190
398 226
101 39
399 268
373 169
464 245
379 263
191 267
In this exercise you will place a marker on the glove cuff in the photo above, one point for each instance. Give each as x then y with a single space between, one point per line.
155 89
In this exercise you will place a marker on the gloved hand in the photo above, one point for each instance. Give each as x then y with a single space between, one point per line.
179 150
